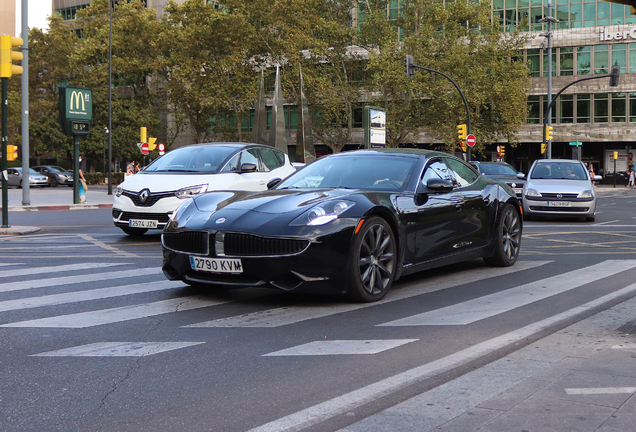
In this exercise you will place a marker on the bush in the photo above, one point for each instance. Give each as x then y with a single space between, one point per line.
98 178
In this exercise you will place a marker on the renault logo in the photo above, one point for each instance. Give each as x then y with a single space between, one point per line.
143 195
559 196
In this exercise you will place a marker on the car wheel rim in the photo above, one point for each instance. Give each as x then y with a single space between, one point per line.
511 235
377 253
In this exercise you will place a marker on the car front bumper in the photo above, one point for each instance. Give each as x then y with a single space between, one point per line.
124 210
557 208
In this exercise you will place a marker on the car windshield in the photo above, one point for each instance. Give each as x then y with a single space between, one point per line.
558 171
382 172
57 169
497 169
204 159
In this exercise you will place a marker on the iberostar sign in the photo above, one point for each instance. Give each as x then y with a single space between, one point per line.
76 110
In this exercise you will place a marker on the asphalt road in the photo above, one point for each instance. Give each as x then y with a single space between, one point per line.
95 339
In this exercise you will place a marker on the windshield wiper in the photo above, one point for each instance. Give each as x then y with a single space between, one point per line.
175 170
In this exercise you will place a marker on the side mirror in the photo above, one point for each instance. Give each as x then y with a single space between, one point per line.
521 175
248 167
273 183
439 185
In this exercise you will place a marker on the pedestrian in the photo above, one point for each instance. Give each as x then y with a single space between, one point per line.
130 168
137 168
630 160
83 188
591 171
631 177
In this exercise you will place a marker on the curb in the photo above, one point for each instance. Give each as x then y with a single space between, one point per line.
60 207
18 230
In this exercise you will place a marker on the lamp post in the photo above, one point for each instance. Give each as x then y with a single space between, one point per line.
110 108
104 153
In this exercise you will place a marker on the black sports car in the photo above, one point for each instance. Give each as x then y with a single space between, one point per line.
503 172
351 223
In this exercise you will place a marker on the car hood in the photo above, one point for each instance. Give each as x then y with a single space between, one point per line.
559 186
168 182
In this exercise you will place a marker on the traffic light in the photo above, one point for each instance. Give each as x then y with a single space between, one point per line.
461 132
616 73
462 145
502 151
151 143
544 148
7 56
12 152
410 69
548 133
143 134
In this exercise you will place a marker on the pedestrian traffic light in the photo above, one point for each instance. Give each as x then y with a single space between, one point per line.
461 132
548 133
12 152
143 134
462 145
7 56
410 69
544 148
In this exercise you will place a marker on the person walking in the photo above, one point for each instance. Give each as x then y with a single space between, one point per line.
631 177
591 171
83 188
130 168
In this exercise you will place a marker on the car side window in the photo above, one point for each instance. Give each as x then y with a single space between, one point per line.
270 159
464 174
251 156
437 170
232 165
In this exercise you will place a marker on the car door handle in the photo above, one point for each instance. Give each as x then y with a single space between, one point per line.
487 201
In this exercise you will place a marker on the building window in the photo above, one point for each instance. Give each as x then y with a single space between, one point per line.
534 110
600 59
566 112
601 108
583 60
583 108
545 63
534 62
566 65
632 107
619 56
618 107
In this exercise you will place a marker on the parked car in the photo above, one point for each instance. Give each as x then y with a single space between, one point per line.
56 175
503 172
14 176
351 222
145 200
559 187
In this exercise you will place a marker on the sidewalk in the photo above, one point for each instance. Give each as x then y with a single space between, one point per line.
58 198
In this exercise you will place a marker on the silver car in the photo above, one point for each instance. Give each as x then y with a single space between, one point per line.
559 187
35 178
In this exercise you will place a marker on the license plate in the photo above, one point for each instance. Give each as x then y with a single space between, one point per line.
216 265
142 223
559 204
518 191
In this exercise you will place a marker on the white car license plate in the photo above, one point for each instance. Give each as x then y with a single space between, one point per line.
559 204
141 223
216 265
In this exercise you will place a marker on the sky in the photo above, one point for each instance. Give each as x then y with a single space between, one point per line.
39 11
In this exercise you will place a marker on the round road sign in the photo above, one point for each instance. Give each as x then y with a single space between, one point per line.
144 148
470 140
161 147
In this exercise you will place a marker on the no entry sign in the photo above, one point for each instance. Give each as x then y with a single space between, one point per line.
144 148
471 140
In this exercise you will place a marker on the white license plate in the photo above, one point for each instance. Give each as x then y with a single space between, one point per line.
517 190
141 223
216 265
559 204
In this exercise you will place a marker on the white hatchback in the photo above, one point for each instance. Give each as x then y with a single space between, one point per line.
147 199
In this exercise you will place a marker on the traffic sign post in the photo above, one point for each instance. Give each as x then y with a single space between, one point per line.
471 140
144 148
162 148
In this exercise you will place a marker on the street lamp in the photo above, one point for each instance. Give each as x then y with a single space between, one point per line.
111 5
104 153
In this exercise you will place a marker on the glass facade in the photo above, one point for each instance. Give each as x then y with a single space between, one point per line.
585 108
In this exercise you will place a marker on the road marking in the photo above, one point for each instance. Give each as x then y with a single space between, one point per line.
10 264
119 314
80 296
103 245
118 349
596 391
67 280
349 401
605 223
293 314
341 347
494 304
54 269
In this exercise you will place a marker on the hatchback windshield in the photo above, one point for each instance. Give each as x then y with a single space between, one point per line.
497 169
207 159
362 172
558 171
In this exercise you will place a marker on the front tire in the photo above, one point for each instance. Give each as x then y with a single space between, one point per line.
373 261
134 231
508 239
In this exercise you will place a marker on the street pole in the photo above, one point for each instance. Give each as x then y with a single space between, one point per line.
549 19
76 176
5 180
26 198
104 153
110 108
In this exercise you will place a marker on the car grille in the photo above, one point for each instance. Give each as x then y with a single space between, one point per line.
150 201
195 242
560 209
235 244
126 216
554 197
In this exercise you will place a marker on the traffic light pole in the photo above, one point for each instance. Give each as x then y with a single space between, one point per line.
5 186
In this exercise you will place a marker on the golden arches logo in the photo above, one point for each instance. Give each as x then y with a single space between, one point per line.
77 97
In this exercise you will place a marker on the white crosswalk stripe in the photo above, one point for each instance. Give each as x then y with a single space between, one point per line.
118 349
54 269
291 315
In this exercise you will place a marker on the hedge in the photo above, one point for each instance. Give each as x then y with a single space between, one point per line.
98 178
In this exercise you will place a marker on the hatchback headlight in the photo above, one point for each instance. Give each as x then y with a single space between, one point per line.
323 213
586 194
191 191
119 190
533 193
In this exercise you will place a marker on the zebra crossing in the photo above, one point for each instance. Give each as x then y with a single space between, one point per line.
119 287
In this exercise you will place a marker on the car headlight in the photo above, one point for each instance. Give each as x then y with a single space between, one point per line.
191 191
586 194
533 193
180 210
322 214
119 190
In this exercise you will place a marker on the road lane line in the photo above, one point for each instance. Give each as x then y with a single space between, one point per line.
103 245
54 269
119 314
494 304
80 296
350 401
293 314
67 280
597 391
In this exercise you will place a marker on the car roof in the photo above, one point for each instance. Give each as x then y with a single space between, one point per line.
236 145
416 153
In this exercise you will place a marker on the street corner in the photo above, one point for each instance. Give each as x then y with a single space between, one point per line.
18 230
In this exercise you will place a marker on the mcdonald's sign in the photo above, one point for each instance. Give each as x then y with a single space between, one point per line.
76 110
